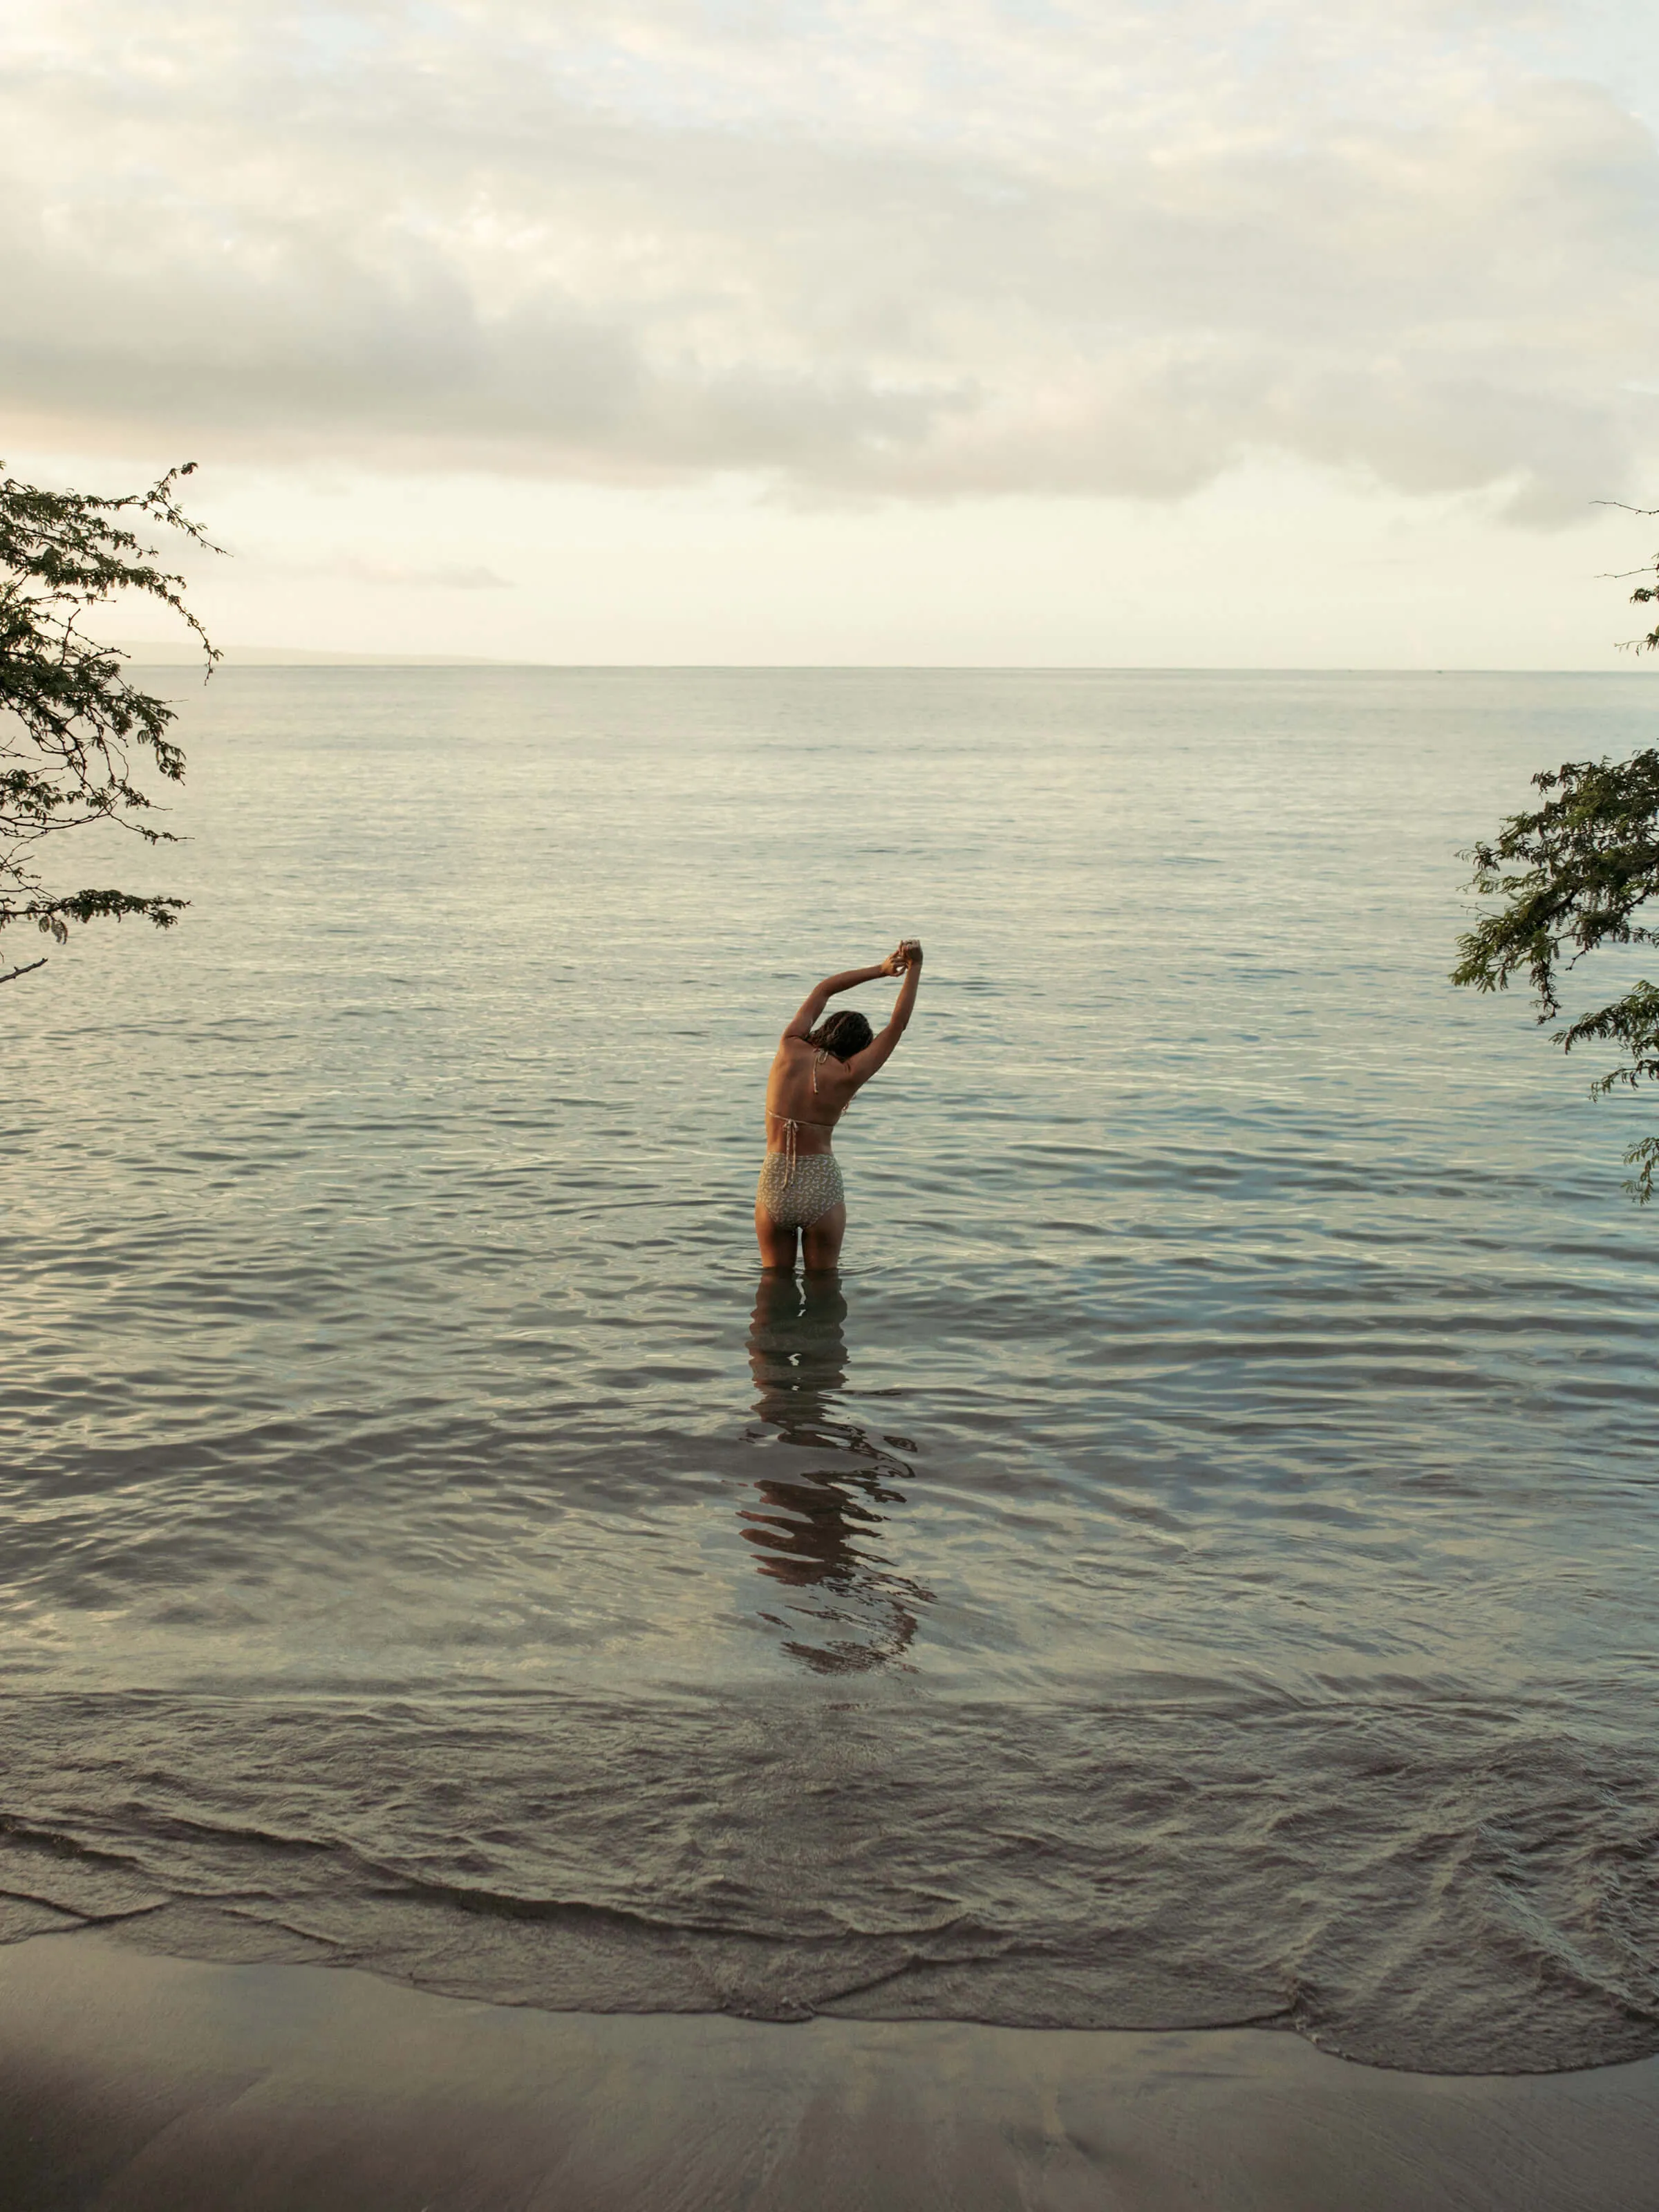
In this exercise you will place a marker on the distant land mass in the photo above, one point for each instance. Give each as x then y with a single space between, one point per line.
171 653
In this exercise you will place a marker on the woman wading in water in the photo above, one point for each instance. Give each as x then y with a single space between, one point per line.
819 1065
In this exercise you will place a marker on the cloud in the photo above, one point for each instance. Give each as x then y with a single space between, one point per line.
399 575
864 249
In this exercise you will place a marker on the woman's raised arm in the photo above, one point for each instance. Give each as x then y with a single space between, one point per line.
811 1007
882 1047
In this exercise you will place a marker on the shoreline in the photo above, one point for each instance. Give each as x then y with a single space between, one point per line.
140 2082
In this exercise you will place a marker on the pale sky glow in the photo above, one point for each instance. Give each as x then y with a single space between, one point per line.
870 330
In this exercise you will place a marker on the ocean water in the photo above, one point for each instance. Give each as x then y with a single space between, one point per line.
1195 1564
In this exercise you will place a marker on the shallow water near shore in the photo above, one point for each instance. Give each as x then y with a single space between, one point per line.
1195 1565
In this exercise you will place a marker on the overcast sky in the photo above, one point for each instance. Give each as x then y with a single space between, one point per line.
1304 332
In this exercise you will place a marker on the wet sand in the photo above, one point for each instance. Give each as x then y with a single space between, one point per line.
137 2083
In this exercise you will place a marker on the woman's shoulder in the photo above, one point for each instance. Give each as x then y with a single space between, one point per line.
834 1075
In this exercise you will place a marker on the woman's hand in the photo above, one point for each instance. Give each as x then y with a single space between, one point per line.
894 964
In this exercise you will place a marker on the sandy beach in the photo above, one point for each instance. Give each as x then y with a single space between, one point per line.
137 2083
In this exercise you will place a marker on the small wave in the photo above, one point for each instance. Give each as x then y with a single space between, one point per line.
1441 1887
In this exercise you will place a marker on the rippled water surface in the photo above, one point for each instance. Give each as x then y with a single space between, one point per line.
1196 1562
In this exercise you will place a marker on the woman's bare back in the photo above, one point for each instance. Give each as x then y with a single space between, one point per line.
810 1087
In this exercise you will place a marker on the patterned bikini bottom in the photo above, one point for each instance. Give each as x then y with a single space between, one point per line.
796 1187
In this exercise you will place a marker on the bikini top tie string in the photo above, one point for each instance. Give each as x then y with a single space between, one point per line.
792 1128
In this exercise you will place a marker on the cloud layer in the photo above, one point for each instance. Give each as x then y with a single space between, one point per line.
858 249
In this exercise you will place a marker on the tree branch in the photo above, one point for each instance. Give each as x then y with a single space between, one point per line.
74 730
12 974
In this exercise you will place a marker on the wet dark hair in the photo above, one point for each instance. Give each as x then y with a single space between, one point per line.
843 1033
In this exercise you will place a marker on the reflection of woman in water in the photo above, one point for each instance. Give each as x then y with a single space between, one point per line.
816 1528
818 1066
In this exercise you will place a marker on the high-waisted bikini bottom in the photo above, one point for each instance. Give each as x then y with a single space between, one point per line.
796 1187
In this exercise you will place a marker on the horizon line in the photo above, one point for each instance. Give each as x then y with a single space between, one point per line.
144 652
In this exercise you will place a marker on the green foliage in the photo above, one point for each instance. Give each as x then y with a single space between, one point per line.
1645 595
1575 874
73 730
